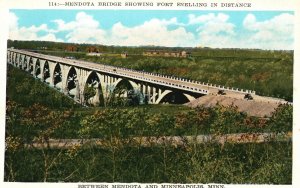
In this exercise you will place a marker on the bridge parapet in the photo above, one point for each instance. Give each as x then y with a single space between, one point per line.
209 85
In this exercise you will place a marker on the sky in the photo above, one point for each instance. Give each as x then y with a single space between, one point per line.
272 30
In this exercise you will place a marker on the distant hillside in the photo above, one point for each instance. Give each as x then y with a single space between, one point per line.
196 51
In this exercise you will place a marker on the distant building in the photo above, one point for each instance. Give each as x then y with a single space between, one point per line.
43 48
94 54
71 48
165 53
185 54
124 55
92 49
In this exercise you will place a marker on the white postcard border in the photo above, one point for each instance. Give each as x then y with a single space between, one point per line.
286 5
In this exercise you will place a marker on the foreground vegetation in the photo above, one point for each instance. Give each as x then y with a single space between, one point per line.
37 113
264 163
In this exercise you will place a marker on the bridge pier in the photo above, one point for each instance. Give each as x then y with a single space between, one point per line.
33 70
21 62
42 64
51 65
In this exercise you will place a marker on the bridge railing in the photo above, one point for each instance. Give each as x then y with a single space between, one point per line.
155 81
209 85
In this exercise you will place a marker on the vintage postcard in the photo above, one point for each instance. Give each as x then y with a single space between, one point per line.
150 94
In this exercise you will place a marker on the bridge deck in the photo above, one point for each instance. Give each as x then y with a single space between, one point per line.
169 81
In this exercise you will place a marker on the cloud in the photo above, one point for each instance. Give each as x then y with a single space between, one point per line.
282 23
82 20
165 22
13 21
211 17
152 32
84 29
275 33
29 33
214 30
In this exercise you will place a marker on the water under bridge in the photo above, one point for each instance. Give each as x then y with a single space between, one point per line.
73 77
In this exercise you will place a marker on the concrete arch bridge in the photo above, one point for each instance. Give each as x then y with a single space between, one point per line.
93 83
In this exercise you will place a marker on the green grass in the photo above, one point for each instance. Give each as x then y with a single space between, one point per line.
265 163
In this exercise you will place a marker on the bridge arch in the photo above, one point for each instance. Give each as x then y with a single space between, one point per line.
72 85
123 85
124 92
19 62
121 81
12 58
37 69
15 59
31 66
57 76
173 97
92 92
22 62
46 72
9 57
25 63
